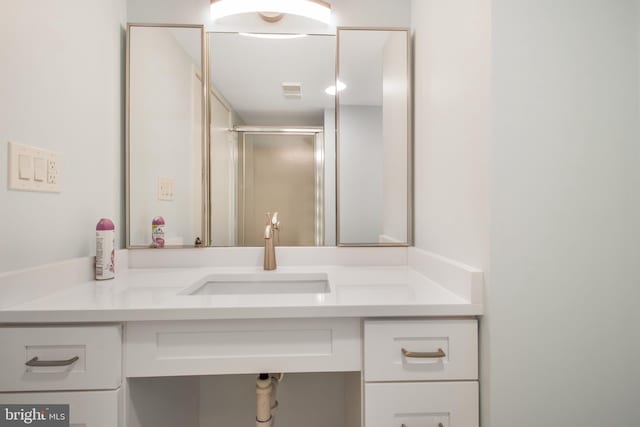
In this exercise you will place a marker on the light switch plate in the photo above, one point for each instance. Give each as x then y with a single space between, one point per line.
33 169
165 188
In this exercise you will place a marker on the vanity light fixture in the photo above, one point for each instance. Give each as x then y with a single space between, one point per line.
273 36
318 10
331 90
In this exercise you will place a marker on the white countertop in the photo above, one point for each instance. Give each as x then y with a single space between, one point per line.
141 294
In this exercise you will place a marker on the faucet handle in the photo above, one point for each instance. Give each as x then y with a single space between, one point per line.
274 220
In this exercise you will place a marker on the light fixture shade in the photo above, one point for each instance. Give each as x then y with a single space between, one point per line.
273 36
314 9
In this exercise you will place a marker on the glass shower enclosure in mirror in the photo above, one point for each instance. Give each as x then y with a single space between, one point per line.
271 114
166 104
373 105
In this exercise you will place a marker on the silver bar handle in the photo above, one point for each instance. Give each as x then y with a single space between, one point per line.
424 355
439 425
42 363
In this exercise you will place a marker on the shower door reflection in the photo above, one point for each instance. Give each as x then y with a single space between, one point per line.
280 172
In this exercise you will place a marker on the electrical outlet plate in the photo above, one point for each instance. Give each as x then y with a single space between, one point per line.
33 169
165 188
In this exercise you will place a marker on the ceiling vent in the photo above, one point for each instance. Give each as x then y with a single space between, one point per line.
292 90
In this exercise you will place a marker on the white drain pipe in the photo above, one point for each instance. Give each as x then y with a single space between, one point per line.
266 402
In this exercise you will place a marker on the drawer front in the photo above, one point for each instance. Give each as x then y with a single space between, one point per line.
241 346
423 350
431 404
86 408
98 350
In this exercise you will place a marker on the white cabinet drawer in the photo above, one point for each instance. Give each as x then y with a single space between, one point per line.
433 350
97 349
432 404
241 346
86 408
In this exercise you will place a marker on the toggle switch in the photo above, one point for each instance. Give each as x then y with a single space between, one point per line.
25 167
39 169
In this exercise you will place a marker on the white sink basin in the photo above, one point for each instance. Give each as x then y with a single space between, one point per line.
260 283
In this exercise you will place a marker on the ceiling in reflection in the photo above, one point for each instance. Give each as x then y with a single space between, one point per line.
249 72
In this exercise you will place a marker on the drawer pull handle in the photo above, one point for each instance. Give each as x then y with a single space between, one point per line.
424 355
41 363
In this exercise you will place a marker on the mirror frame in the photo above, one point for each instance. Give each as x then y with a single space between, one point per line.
206 202
410 148
204 73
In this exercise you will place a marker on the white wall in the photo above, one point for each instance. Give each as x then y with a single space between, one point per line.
394 138
361 163
452 113
164 124
452 110
565 213
560 340
61 88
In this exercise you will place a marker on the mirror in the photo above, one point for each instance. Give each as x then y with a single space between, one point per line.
272 138
258 134
374 146
165 134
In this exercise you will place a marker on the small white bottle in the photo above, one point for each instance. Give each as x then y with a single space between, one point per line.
105 249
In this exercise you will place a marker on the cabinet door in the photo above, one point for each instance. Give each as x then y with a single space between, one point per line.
86 408
436 404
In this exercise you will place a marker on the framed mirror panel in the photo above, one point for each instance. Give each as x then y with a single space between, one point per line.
374 147
165 133
272 137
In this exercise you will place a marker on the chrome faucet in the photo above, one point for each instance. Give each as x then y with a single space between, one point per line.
270 230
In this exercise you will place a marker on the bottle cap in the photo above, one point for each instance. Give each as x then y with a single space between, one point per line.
105 224
157 221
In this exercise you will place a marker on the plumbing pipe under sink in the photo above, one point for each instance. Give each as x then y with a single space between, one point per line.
266 403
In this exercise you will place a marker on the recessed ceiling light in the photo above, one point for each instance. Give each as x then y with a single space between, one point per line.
273 36
331 90
318 10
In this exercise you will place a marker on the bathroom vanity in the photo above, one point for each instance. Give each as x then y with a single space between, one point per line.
391 344
218 134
